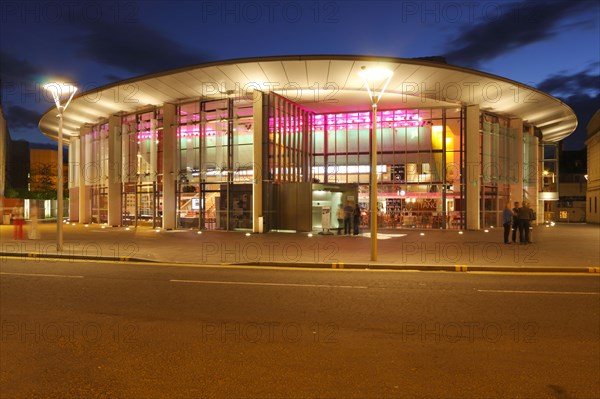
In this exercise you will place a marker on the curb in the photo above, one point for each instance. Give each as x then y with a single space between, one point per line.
333 265
431 268
74 257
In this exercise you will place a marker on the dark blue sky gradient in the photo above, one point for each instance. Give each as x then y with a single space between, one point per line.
552 45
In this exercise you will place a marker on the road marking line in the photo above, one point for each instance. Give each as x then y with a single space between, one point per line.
542 292
268 284
40 275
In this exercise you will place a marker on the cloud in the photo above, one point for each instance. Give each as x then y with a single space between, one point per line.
133 47
13 69
586 81
22 118
580 91
584 106
518 25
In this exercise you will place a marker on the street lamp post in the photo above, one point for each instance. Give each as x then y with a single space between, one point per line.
58 90
370 77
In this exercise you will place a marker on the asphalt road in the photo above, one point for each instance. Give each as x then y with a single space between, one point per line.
109 330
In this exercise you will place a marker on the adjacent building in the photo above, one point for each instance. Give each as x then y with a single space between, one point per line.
4 138
572 186
268 143
593 169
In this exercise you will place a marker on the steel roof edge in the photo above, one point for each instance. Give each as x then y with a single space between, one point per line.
413 61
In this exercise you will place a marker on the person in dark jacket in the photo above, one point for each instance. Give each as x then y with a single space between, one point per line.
507 218
356 219
515 222
524 215
347 218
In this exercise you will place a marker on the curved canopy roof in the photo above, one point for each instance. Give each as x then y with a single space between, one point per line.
321 83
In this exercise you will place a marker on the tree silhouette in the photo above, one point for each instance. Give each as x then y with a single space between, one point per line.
43 181
44 177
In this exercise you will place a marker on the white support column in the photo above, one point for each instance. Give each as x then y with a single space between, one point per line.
257 166
472 167
153 150
170 168
114 171
128 170
85 205
74 179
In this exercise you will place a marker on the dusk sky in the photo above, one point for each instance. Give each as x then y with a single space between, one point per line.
550 45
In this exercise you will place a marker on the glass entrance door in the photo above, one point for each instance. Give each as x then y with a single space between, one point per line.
210 207
144 207
129 204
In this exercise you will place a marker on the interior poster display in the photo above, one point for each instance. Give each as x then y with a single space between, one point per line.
398 173
326 217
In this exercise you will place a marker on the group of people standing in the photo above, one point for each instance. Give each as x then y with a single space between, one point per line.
519 218
349 218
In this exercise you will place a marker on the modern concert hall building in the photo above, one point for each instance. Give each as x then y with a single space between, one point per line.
263 144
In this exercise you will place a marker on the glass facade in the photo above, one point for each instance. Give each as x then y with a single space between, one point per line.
287 144
549 180
549 168
289 141
214 160
418 163
97 172
532 158
142 169
499 167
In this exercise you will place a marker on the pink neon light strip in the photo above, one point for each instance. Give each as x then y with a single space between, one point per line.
183 131
394 118
397 117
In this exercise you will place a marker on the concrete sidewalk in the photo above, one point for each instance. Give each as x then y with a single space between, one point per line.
561 248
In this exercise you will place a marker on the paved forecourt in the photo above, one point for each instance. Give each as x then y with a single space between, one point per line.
560 248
